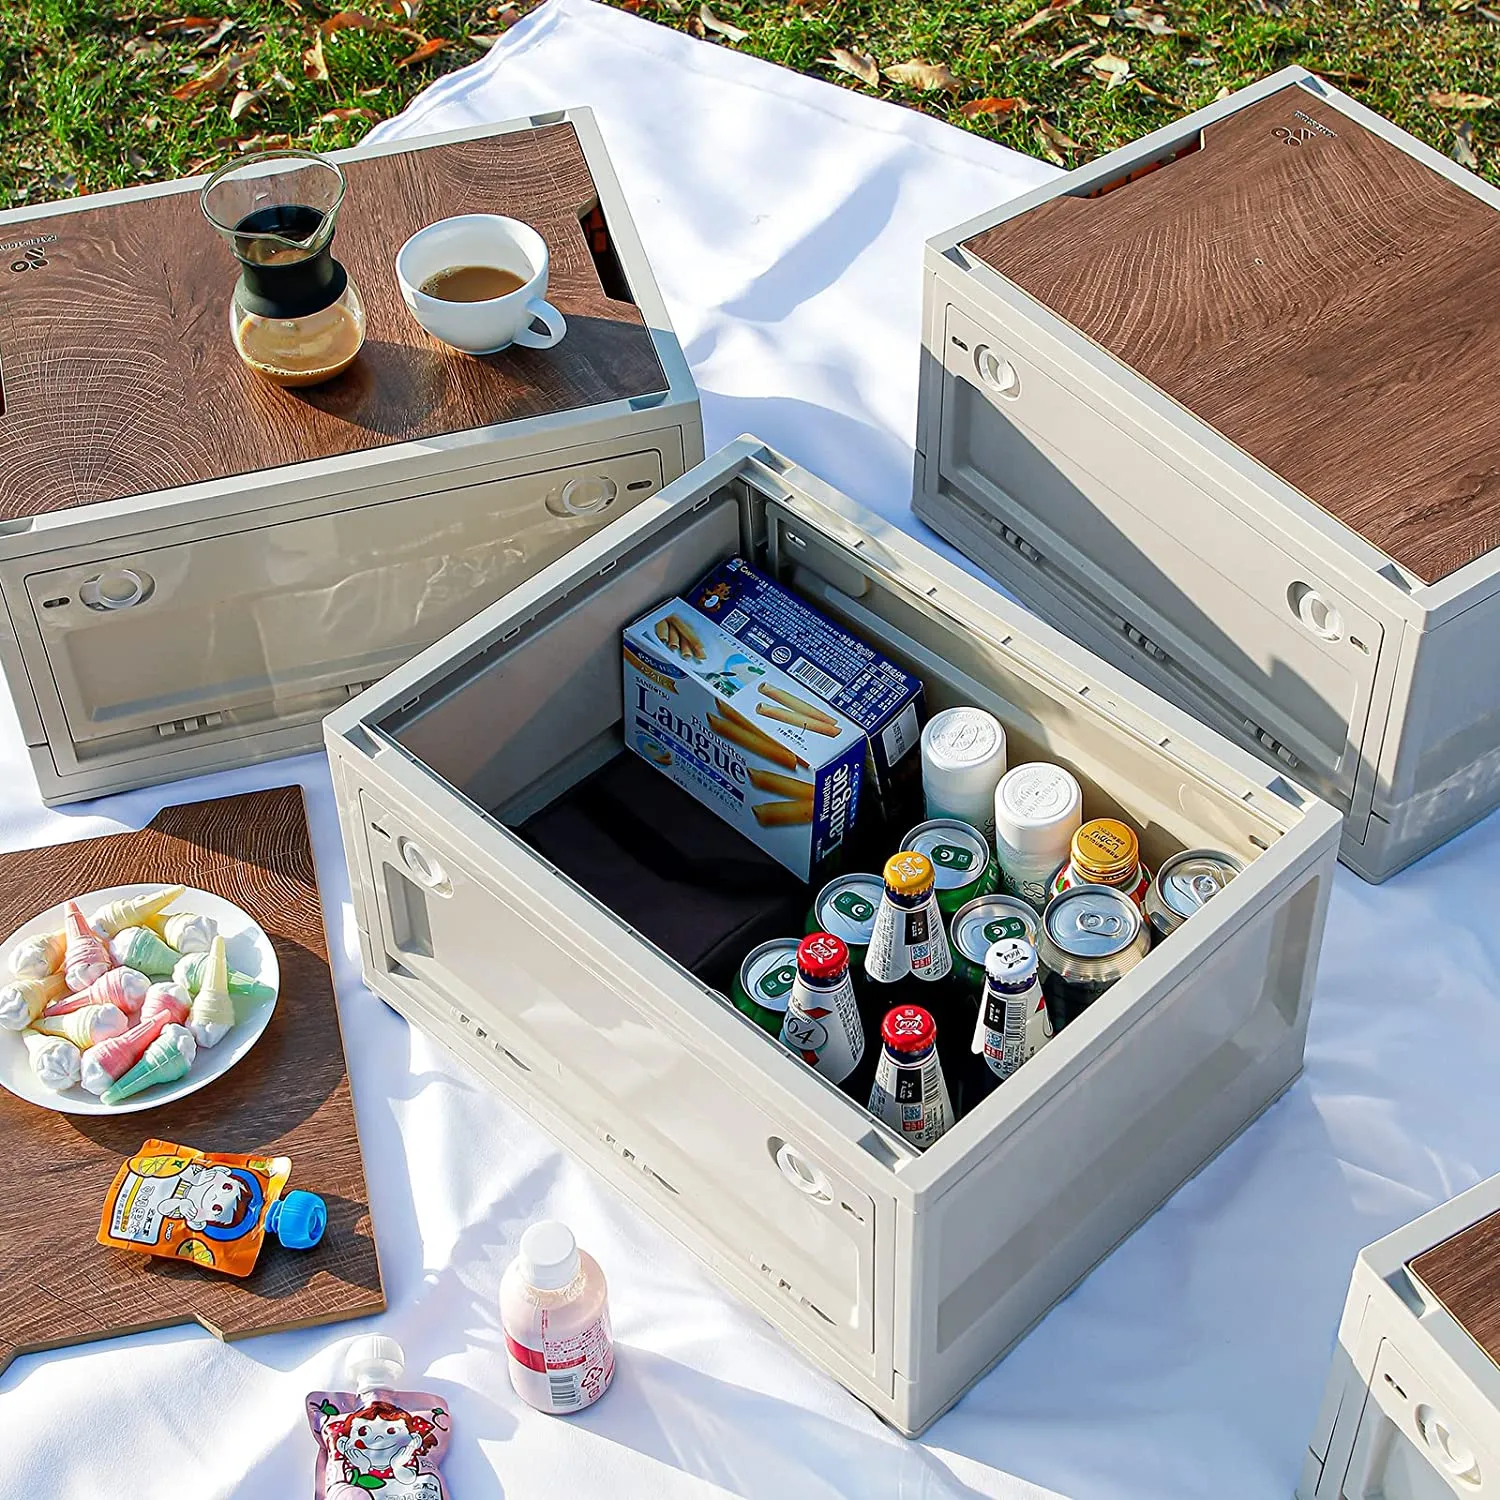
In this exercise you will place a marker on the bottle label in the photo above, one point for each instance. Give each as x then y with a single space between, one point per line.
824 1027
927 943
1015 1028
913 1100
561 1375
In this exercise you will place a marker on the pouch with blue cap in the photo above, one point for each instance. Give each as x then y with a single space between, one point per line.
211 1209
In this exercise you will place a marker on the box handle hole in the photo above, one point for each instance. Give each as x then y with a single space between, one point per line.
801 1173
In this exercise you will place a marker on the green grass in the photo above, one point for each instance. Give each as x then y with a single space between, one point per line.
86 90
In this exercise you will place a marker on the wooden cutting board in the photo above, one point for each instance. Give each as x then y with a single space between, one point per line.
290 1093
118 378
1463 1273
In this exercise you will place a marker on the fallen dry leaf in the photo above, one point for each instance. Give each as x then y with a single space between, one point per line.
1152 93
1100 21
263 143
1113 69
211 81
185 24
339 116
314 64
410 9
1463 146
1152 21
1044 17
1460 101
859 64
711 22
1055 142
215 36
245 100
428 49
978 108
929 77
483 42
1064 58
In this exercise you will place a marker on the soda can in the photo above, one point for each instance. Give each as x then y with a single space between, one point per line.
1186 882
909 937
979 925
910 1094
1013 1021
822 1024
763 984
1090 936
962 867
846 907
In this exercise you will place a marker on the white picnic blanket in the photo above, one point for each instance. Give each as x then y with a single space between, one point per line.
785 218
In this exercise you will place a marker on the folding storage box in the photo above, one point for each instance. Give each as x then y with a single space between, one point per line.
195 566
1412 1408
903 1276
1212 405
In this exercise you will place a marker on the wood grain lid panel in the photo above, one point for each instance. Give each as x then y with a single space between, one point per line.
120 379
1463 1273
1321 298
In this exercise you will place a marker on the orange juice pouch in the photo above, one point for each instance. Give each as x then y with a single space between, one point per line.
213 1210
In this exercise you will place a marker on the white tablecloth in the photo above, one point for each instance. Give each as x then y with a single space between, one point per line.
785 220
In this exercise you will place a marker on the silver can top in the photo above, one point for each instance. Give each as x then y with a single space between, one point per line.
959 852
1191 879
1092 921
1011 964
768 972
986 920
846 907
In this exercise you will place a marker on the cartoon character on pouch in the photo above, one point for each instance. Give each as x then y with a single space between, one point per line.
215 1197
379 1449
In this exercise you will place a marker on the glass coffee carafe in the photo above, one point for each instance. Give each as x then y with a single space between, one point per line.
296 317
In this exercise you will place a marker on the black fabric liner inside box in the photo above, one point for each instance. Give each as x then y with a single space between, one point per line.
676 872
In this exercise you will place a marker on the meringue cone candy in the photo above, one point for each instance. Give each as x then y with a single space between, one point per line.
134 911
189 973
54 1060
23 1000
37 957
126 988
86 958
111 1059
94 1023
165 1061
213 1006
186 931
140 948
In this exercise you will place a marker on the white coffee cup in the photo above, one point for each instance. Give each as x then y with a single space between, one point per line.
489 326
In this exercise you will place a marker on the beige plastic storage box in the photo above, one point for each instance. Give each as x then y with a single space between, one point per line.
196 566
903 1276
1210 405
1412 1408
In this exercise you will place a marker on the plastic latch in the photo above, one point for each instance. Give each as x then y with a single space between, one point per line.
803 1174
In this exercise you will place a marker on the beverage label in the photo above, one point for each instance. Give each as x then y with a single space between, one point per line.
912 1098
1068 877
823 1027
1016 1027
888 958
561 1374
928 954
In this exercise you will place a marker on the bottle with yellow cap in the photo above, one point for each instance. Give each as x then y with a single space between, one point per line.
908 939
1106 852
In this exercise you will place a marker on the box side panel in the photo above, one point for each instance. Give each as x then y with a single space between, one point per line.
1046 1201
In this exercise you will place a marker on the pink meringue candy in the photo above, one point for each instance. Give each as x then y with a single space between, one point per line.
110 1060
86 958
126 988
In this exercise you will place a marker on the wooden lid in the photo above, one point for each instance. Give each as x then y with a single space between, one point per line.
1463 1273
118 378
1323 299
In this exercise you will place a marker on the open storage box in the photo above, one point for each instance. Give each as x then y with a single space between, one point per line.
903 1276
1206 405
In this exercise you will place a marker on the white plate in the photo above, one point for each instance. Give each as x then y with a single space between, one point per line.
248 950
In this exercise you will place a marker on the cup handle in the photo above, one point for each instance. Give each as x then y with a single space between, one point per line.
556 325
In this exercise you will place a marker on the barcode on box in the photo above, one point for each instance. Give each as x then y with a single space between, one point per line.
814 677
563 1390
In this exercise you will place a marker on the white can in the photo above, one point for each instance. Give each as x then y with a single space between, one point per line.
963 758
1038 809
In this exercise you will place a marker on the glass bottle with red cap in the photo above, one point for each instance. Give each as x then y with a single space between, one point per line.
910 1094
822 1024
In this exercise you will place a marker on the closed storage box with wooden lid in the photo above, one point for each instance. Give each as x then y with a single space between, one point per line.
545 928
1412 1406
195 564
1215 405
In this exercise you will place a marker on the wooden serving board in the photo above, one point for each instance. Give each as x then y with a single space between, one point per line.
1463 1273
290 1093
1326 301
118 377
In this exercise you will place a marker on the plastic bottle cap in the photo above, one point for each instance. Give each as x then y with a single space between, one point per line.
374 1362
908 873
821 955
549 1256
298 1220
1033 804
908 1028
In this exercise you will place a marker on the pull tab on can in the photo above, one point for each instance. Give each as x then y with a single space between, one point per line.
822 1017
910 1094
1013 1024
